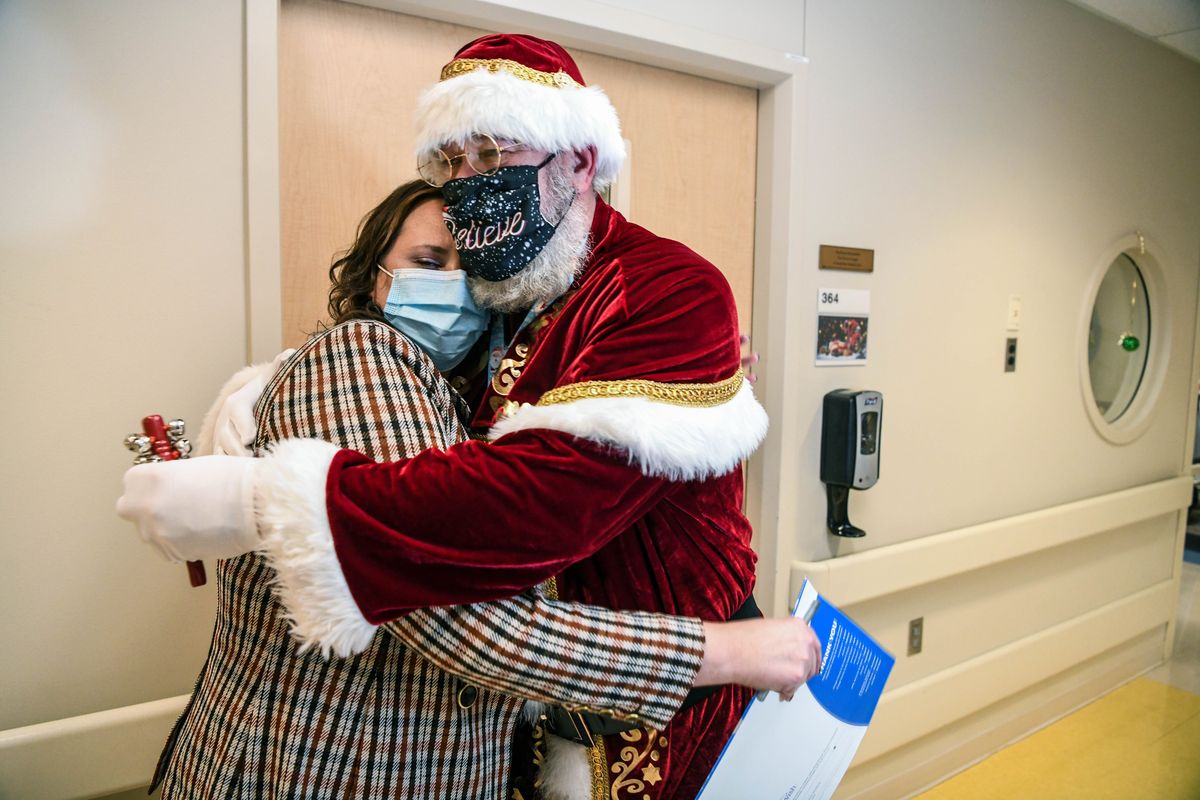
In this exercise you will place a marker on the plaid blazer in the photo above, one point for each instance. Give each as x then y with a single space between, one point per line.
428 710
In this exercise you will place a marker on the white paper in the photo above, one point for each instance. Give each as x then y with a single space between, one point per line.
800 750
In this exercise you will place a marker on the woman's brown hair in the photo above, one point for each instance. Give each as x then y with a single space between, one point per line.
352 276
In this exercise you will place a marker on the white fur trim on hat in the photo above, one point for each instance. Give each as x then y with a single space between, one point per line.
550 118
664 440
298 543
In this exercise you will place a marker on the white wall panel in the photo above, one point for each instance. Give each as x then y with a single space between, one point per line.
985 150
121 294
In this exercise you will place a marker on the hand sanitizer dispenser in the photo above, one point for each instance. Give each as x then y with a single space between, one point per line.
850 426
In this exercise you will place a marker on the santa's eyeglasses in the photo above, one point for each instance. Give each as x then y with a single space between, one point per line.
481 152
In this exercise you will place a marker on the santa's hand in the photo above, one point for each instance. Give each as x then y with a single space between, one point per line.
775 654
234 428
193 509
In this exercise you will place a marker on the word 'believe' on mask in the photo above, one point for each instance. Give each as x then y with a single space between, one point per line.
496 220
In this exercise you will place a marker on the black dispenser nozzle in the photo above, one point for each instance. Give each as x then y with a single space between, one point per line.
837 517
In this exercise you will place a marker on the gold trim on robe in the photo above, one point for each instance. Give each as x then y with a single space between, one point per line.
703 395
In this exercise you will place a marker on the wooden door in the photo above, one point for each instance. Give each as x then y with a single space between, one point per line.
349 80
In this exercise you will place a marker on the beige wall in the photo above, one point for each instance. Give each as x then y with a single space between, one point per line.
121 275
982 149
986 150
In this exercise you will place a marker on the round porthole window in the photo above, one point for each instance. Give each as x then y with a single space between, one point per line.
1119 338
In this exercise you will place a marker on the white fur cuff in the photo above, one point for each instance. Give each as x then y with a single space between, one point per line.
664 440
298 543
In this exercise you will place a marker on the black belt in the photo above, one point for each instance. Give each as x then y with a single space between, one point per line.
582 727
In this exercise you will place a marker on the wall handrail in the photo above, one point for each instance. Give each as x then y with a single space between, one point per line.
894 568
108 751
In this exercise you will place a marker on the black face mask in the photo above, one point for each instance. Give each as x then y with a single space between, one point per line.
496 220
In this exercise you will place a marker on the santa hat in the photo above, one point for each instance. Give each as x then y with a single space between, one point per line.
525 89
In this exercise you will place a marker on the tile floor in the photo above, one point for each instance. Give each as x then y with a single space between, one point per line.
1139 742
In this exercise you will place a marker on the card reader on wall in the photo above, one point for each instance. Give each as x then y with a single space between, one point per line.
850 427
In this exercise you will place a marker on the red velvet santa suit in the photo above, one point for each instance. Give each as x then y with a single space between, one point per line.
616 468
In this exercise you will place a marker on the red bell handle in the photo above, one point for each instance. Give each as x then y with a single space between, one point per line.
166 445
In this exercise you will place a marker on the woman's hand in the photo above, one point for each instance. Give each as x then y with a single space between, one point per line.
779 655
749 359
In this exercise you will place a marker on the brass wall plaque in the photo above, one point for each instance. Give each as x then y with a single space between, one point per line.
855 259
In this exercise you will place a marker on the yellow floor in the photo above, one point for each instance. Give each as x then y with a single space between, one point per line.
1140 742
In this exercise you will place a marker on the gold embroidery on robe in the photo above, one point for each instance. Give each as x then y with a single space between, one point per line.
642 753
510 369
539 751
598 761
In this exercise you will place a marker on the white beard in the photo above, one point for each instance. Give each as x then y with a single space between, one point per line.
552 271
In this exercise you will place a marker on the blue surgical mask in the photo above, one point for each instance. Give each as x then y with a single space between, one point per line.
434 308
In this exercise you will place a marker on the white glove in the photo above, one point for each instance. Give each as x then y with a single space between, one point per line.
234 428
193 509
